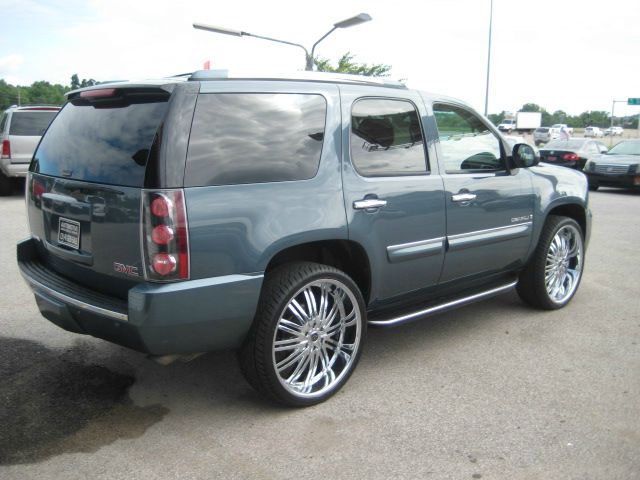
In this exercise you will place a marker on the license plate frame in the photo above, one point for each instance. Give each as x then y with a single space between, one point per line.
69 233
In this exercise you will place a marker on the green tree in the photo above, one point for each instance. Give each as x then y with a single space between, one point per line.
530 107
77 83
40 92
496 118
346 64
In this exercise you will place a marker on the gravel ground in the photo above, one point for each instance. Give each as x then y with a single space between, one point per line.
492 390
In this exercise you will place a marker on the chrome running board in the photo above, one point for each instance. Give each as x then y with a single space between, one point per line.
442 307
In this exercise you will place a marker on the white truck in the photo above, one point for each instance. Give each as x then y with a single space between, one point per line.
528 121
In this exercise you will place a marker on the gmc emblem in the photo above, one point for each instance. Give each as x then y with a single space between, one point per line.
126 269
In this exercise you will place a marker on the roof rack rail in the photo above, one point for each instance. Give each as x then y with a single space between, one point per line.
328 77
36 105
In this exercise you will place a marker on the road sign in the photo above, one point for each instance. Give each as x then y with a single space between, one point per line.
633 101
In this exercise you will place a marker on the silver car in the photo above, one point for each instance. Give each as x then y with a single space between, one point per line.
20 131
544 134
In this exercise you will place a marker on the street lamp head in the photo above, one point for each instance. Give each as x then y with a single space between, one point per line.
212 28
350 22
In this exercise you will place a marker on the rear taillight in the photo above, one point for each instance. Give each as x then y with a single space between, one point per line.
6 149
165 237
37 188
570 157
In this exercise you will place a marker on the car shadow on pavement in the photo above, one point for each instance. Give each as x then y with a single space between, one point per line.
58 401
82 398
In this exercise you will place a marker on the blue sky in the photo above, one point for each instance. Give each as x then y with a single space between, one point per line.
570 54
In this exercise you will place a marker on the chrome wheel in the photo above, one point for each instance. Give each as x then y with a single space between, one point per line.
317 337
563 266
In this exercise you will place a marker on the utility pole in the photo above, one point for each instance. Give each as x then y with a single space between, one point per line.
486 94
613 105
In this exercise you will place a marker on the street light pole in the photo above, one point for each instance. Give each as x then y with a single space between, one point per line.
309 57
486 95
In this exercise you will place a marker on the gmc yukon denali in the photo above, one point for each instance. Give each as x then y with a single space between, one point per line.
283 216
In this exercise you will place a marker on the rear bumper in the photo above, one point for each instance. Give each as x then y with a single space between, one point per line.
160 319
13 169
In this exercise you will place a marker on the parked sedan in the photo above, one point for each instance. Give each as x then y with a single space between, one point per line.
619 167
572 153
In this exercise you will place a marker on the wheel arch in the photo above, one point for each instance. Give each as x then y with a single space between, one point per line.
345 255
572 210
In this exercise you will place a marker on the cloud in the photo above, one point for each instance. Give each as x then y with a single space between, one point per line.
10 63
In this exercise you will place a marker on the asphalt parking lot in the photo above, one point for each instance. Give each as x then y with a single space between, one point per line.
492 390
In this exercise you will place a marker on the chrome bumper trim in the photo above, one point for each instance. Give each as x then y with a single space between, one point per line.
35 285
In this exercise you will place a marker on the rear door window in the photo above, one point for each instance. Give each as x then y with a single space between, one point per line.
386 138
31 124
255 137
104 142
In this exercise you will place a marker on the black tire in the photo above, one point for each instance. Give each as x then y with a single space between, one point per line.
257 356
531 285
6 185
593 187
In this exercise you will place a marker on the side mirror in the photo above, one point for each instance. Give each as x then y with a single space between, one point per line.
524 156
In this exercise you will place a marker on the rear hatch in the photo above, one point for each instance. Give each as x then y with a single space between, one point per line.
25 129
85 186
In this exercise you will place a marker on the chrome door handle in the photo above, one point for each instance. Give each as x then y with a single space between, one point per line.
369 203
463 197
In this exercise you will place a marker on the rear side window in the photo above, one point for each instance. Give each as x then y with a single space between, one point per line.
3 122
106 141
386 138
30 123
255 137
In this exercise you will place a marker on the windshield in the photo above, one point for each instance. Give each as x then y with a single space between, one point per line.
507 121
573 144
626 148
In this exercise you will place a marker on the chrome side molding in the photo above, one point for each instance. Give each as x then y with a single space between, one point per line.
443 306
409 251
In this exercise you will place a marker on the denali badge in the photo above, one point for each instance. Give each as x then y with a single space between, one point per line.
521 219
126 269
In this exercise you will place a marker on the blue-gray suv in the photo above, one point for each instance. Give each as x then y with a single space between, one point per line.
282 216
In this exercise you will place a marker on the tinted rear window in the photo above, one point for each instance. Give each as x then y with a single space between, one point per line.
257 137
386 138
103 142
30 123
563 144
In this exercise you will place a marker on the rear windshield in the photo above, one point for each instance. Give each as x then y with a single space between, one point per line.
542 130
103 142
30 123
563 144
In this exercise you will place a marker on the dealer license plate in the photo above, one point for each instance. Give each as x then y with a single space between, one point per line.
69 233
